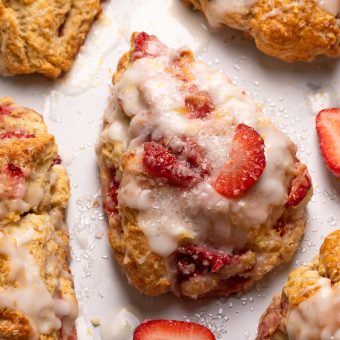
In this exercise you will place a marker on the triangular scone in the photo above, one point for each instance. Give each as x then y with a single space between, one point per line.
309 305
43 36
37 299
203 193
286 29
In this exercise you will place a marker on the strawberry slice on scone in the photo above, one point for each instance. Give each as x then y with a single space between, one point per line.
172 330
328 130
245 165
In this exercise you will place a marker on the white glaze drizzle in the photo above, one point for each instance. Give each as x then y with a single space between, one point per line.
29 295
154 100
119 324
317 318
330 6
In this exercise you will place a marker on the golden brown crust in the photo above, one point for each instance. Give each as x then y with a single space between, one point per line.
14 325
43 36
41 223
286 29
301 285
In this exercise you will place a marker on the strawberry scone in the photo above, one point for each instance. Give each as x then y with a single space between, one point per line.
286 29
203 194
43 36
37 299
309 305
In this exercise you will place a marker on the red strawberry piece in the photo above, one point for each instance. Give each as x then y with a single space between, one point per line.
67 335
57 160
160 162
110 201
328 130
300 187
5 109
16 134
12 181
146 46
245 165
172 330
199 103
194 260
186 149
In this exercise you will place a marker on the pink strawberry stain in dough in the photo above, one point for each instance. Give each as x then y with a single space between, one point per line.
19 133
5 110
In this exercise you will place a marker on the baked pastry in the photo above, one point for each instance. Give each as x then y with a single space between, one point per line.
43 36
308 307
204 195
37 299
286 29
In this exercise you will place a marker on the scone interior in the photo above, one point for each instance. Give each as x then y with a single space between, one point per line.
43 36
309 306
37 299
168 139
287 29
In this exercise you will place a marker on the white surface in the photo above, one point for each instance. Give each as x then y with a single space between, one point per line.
73 109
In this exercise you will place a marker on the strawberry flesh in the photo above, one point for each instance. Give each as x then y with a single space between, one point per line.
5 110
328 130
198 103
189 151
193 260
16 134
146 45
12 181
110 201
172 330
300 186
57 160
245 165
63 335
160 162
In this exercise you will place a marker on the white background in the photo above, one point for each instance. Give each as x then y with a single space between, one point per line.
73 107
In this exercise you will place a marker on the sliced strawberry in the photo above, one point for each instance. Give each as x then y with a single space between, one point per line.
146 46
110 201
160 162
245 165
12 181
300 187
199 103
172 330
5 109
194 260
328 130
19 133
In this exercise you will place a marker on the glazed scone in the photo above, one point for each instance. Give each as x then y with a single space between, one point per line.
37 299
309 305
43 36
286 29
204 195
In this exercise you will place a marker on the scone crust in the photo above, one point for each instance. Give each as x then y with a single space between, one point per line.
47 36
285 29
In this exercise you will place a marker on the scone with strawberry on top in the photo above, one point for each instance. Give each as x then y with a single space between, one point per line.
204 195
